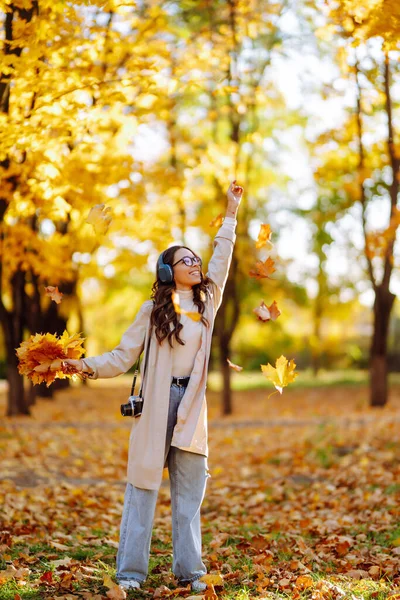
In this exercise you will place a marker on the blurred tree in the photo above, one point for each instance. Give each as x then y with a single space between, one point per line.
360 162
77 96
232 47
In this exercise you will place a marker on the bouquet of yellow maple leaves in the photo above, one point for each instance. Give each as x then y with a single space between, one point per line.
41 356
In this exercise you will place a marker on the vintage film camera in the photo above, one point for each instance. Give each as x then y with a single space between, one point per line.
133 408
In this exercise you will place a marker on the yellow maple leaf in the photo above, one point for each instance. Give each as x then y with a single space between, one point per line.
115 592
213 578
72 345
100 217
195 316
304 581
282 374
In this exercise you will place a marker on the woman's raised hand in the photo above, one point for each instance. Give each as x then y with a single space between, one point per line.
234 194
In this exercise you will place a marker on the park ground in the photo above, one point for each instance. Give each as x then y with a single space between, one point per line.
302 502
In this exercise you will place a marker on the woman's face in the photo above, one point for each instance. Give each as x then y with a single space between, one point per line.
186 274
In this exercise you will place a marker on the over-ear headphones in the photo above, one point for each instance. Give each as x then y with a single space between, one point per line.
164 271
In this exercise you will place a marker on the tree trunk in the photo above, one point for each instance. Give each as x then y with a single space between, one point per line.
226 376
16 404
16 401
226 321
13 324
316 348
383 305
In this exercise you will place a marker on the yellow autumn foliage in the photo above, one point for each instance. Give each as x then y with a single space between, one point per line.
40 356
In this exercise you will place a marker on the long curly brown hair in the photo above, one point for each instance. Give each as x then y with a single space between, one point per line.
163 313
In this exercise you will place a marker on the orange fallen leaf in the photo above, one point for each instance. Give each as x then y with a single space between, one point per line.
263 269
63 562
12 573
213 579
357 573
304 581
115 592
162 592
47 577
342 547
219 539
210 593
54 293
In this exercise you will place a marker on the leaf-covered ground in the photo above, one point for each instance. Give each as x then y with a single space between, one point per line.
302 503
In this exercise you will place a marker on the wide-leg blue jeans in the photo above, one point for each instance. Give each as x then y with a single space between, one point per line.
188 475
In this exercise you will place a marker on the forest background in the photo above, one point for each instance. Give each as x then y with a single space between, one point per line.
151 109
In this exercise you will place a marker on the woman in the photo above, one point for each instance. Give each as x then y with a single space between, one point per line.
172 429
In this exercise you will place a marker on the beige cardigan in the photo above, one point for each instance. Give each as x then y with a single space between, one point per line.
148 433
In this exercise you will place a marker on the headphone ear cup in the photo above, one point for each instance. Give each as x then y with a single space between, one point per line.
164 271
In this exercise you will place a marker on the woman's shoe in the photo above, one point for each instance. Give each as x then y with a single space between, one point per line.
129 584
198 586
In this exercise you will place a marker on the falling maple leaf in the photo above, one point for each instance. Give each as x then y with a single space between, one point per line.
217 222
54 293
40 357
264 237
274 311
267 313
195 316
263 269
100 218
233 366
282 374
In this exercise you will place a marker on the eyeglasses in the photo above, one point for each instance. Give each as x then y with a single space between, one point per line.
189 261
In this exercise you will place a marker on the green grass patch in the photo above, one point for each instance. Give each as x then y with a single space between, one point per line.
394 488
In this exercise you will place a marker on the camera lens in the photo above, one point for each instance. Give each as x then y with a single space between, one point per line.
126 410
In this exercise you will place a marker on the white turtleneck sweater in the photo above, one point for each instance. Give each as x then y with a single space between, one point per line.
183 357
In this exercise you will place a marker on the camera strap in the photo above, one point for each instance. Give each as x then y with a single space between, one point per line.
146 356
